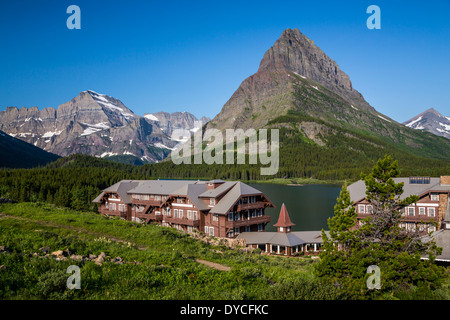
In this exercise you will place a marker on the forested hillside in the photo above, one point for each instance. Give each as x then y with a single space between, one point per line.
76 180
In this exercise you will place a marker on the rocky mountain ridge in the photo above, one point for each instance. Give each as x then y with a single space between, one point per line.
91 123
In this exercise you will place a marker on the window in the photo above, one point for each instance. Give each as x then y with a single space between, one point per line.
431 212
179 200
212 201
106 204
431 228
121 207
237 216
215 217
236 230
211 231
113 206
260 212
247 228
435 197
361 208
281 229
206 229
411 211
260 227
175 213
230 216
189 214
369 209
194 215
180 213
421 210
253 213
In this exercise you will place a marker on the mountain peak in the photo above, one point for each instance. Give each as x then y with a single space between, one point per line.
432 110
432 121
294 52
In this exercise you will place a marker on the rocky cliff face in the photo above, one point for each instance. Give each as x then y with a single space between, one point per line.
269 92
91 123
168 122
431 121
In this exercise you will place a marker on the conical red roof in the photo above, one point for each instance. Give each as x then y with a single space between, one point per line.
283 219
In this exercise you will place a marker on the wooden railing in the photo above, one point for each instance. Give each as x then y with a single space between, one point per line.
250 206
183 221
151 202
109 212
149 217
246 222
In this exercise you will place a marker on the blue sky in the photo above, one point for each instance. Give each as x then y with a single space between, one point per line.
192 55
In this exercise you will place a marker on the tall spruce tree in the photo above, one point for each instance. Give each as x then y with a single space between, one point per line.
350 249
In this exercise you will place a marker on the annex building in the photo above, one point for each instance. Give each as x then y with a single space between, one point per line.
433 203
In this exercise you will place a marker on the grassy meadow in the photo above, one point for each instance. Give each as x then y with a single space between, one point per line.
155 262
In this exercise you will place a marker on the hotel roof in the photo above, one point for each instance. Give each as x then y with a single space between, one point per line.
358 189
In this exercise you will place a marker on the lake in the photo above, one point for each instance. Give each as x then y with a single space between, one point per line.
309 206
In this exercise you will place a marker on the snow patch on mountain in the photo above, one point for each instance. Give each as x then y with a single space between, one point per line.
92 128
383 118
151 117
103 100
162 146
411 124
50 134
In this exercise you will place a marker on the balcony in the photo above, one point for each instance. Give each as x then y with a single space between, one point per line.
183 221
151 202
247 222
250 206
149 217
109 212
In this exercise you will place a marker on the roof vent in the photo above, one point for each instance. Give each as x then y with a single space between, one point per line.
419 180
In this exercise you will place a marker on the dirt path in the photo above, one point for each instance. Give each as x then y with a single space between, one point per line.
214 265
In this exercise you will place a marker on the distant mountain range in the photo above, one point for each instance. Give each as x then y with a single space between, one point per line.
98 125
325 123
431 121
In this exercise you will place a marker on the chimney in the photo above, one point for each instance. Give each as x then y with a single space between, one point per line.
212 184
445 180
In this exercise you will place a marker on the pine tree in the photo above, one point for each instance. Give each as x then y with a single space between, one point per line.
379 241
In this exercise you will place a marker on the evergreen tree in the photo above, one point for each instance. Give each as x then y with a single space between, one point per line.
380 241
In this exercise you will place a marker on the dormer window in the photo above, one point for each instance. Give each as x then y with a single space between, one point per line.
361 208
435 197
212 201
